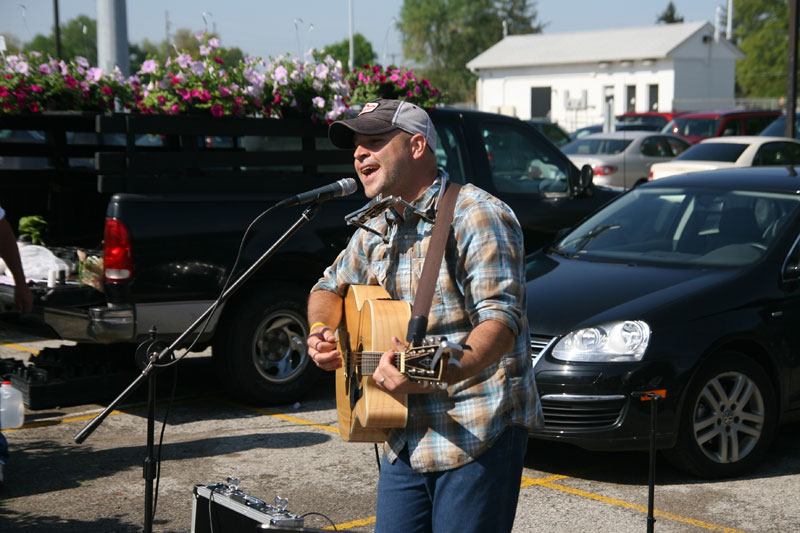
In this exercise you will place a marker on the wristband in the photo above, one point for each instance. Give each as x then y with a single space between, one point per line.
317 324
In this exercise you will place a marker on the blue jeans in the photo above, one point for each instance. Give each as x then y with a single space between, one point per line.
3 449
480 496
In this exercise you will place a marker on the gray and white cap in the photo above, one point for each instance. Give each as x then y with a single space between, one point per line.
381 116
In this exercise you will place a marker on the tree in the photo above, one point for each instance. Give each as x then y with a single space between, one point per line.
669 16
761 30
443 35
78 38
363 53
519 16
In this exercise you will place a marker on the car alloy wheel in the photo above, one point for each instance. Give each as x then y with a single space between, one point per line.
728 418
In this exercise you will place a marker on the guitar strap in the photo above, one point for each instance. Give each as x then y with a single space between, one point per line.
418 324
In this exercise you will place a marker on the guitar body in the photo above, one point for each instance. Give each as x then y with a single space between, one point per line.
366 411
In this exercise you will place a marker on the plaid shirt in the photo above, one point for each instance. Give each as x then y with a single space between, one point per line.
482 277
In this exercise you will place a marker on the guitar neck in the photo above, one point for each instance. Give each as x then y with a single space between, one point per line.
368 361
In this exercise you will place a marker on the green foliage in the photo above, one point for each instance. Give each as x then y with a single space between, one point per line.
32 228
363 53
761 28
443 35
78 38
669 16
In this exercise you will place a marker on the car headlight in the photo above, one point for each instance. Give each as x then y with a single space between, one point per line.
624 340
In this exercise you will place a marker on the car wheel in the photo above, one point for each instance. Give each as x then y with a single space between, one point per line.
728 418
260 349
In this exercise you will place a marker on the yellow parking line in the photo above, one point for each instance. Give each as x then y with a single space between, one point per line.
59 421
354 523
22 348
546 482
283 416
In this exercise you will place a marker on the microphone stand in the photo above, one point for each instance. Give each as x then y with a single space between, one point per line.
152 352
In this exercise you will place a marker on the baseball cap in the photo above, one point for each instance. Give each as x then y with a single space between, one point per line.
381 116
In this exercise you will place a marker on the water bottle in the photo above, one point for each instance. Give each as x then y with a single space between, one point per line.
12 411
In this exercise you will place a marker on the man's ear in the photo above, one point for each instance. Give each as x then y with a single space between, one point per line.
418 145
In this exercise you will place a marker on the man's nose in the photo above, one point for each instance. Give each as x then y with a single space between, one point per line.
360 152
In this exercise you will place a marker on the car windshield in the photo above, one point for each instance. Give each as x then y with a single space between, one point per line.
777 128
697 127
727 152
596 146
684 227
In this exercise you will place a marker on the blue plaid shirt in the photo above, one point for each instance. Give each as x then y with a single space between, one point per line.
482 277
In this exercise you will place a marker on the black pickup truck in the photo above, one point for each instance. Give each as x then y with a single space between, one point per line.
165 200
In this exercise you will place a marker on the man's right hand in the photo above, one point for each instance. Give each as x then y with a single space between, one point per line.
322 348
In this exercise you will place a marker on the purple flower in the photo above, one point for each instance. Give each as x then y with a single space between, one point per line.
280 75
184 60
150 65
213 42
204 50
94 74
318 101
82 61
198 68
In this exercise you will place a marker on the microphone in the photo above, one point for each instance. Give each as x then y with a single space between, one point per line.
343 187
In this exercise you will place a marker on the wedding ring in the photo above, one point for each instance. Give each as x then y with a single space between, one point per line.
381 381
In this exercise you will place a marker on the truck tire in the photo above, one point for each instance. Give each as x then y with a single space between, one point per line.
728 418
259 347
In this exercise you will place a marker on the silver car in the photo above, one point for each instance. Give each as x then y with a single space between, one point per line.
623 158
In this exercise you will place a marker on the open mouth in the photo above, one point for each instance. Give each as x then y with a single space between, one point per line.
368 170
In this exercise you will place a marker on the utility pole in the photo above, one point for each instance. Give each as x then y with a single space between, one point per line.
112 36
351 60
57 30
791 85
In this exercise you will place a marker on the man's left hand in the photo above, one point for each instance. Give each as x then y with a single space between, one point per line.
391 379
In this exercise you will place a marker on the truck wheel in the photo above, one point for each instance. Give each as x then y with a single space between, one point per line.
260 349
728 418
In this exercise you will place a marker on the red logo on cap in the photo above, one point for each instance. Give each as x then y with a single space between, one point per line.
372 106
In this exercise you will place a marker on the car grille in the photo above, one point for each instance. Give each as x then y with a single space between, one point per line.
538 345
572 412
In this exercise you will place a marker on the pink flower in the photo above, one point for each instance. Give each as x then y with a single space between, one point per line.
161 100
175 109
218 60
107 90
216 110
175 80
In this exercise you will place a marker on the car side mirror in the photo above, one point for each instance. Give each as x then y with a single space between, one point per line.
792 272
584 179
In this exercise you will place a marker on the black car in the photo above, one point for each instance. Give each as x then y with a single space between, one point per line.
686 287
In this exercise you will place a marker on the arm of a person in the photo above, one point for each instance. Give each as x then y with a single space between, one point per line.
10 254
324 314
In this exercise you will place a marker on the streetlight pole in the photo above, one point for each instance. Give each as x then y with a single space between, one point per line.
791 85
57 32
351 60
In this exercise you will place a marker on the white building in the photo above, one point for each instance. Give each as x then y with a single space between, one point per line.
569 77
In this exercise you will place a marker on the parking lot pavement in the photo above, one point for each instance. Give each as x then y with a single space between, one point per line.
56 485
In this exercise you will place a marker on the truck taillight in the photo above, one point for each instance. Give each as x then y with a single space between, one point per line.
117 258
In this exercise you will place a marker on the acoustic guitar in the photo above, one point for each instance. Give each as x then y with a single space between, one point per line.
371 318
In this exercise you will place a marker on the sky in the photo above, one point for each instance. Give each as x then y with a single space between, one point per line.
270 28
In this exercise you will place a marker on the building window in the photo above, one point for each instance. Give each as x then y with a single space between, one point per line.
630 98
652 102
